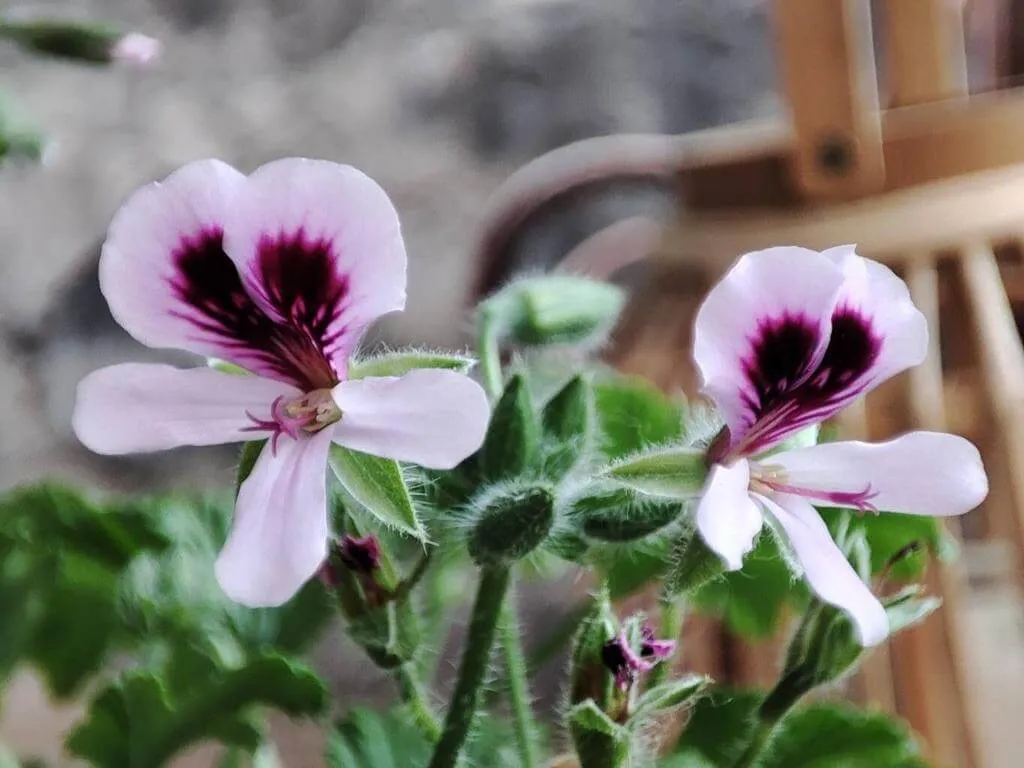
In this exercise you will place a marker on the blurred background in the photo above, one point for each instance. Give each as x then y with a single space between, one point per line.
440 102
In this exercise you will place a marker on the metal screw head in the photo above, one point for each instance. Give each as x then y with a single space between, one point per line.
836 155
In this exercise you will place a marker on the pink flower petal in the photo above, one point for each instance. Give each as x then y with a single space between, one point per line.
433 418
727 519
761 332
163 271
828 572
136 407
279 534
878 295
320 249
921 473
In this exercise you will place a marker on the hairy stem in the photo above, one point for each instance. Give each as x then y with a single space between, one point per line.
415 699
483 625
783 697
490 355
518 685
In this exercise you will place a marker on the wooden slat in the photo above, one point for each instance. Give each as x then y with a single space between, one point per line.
1002 366
925 55
928 660
828 74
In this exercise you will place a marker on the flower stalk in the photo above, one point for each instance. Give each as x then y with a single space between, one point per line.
483 626
518 686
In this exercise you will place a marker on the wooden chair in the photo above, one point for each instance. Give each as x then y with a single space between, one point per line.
932 184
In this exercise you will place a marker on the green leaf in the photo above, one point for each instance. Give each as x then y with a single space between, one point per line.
620 515
910 539
138 722
399 363
83 42
752 600
513 522
838 736
675 693
378 486
628 568
634 415
588 715
677 473
513 436
721 726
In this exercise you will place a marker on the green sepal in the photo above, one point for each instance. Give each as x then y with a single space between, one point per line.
622 515
670 695
378 486
401 362
676 472
513 436
568 421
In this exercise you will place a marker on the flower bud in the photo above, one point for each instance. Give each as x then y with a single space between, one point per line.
512 523
693 565
555 309
80 41
360 555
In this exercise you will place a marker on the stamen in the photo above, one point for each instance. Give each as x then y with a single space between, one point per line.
295 418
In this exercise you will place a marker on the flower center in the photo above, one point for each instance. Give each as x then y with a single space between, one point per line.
298 417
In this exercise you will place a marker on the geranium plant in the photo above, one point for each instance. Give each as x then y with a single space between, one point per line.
369 483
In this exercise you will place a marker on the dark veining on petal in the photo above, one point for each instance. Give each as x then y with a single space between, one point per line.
789 389
207 281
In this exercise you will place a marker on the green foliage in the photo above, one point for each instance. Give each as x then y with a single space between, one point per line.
401 362
633 416
899 544
377 486
720 726
753 600
144 718
838 736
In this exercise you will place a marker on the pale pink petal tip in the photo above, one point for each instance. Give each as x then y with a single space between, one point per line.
137 50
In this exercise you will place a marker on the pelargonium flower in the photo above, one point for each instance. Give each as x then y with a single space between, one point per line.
786 340
627 665
279 273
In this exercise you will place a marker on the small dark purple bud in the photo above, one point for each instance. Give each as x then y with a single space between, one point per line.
621 661
652 648
359 555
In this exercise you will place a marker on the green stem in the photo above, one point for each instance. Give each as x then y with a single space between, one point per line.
490 355
483 625
783 697
670 627
518 686
415 699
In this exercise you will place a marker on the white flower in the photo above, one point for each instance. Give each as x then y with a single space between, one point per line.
786 340
280 273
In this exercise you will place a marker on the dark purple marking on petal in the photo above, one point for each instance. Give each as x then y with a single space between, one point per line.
297 277
790 389
292 349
